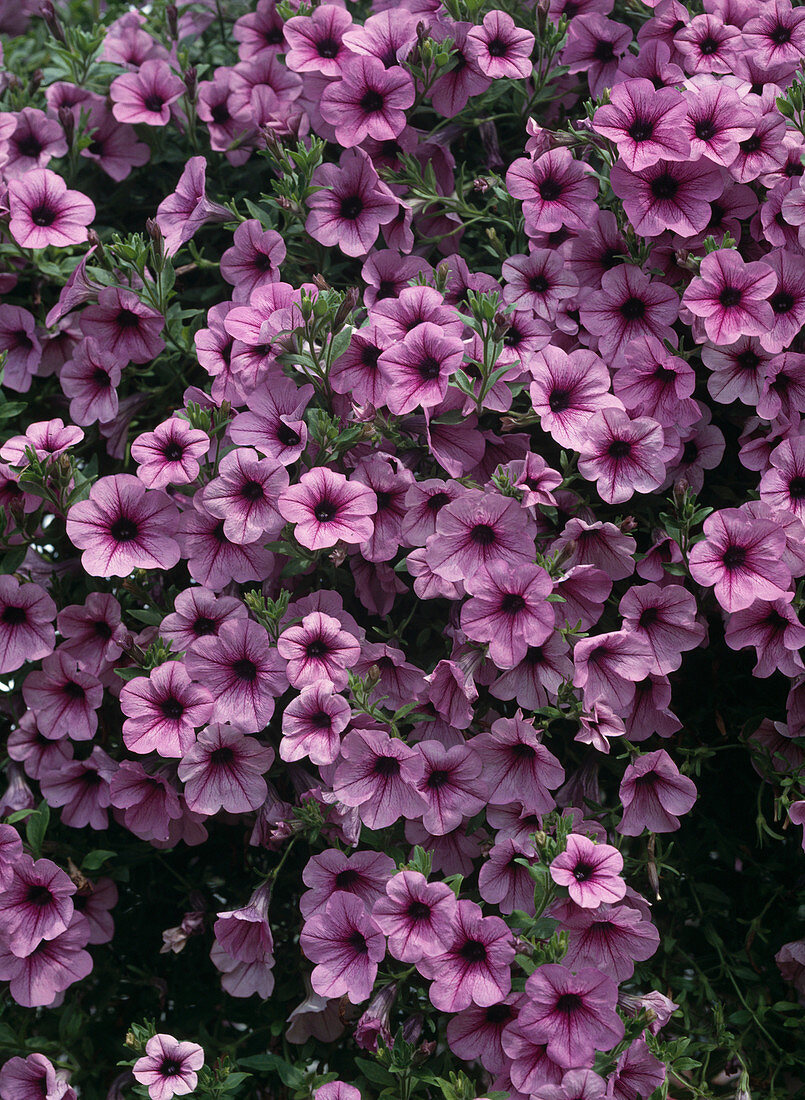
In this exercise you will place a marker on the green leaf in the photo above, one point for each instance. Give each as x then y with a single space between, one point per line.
374 1073
36 828
93 860
291 1076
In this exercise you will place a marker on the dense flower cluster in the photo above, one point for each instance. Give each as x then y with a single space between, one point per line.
323 567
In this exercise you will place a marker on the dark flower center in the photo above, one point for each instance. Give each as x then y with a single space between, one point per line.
316 648
633 309
648 616
418 911
28 146
550 190
220 113
482 534
780 35
153 102
708 46
752 144
387 767
369 356
171 708
328 48
512 603
437 501
782 302
73 690
14 616
127 318
245 670
173 451
203 626
287 436
690 452
538 284
582 872
251 491
351 207
705 129
222 756
43 215
604 51
320 720
346 878
522 751
102 629
437 779
730 296
429 368
383 500
734 557
796 488
664 186
123 529
372 101
357 942
497 48
619 448
473 951
101 379
568 1003
559 400
325 511
748 360
641 130
498 1014
38 896
170 1067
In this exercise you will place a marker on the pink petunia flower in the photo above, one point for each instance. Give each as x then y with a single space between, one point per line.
224 769
37 905
327 508
123 526
654 795
504 48
312 724
742 558
346 945
591 872
572 1013
350 205
475 966
732 296
26 618
181 214
243 673
90 381
645 123
555 189
63 698
168 1068
163 710
416 371
517 767
147 95
508 610
417 916
621 455
245 494
318 649
44 212
170 454
379 775
125 327
672 195
368 101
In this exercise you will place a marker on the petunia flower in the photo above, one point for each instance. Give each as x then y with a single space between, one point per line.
591 872
504 48
182 213
622 455
147 95
44 212
346 945
326 509
224 769
26 617
645 123
163 710
417 916
742 559
654 795
350 205
732 296
168 1068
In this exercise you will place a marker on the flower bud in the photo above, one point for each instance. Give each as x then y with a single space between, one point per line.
48 13
67 121
172 19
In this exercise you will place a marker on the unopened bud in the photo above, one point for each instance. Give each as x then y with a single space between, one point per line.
67 120
172 19
48 13
190 77
681 488
320 282
628 524
346 307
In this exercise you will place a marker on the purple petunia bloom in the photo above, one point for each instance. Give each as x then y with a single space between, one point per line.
504 48
26 618
146 96
312 724
742 558
184 211
244 495
242 672
672 195
508 610
555 189
125 327
645 123
475 966
123 526
63 698
33 1078
416 371
379 775
44 212
168 1068
732 296
37 905
224 769
346 945
163 710
654 795
327 508
476 530
351 204
572 1013
170 454
368 101
518 768
591 872
417 916
621 455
